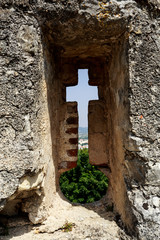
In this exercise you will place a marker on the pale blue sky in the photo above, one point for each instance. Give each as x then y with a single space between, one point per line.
82 93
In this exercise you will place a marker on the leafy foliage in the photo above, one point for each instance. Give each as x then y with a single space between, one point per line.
68 226
85 183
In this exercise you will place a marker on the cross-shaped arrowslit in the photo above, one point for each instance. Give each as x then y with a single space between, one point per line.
83 183
82 94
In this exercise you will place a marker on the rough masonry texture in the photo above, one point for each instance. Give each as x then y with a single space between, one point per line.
43 43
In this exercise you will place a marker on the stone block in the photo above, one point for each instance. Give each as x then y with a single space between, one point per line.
69 74
96 117
96 73
72 107
68 138
72 130
72 120
97 133
72 152
98 149
73 140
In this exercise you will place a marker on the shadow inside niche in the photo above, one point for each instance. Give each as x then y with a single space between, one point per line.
14 226
19 224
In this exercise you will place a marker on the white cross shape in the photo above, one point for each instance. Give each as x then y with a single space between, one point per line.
82 93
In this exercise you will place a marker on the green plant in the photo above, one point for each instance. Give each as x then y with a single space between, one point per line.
85 183
67 227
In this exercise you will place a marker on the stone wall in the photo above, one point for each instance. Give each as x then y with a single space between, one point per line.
25 141
142 150
39 42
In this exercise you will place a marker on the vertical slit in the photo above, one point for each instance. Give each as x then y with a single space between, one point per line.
82 93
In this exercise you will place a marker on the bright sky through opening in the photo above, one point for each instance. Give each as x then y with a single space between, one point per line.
82 93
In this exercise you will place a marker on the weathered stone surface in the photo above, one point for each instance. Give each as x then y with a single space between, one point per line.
23 122
36 38
86 224
97 132
68 138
